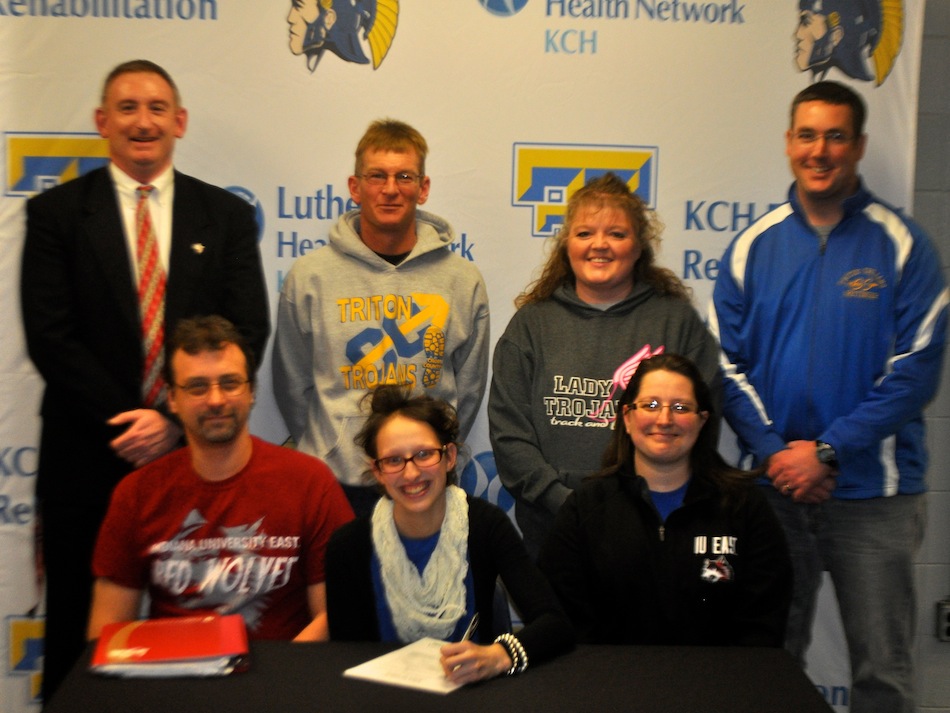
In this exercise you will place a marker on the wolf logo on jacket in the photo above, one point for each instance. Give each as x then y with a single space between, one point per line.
717 570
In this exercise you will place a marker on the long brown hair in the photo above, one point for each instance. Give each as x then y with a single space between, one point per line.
607 191
704 458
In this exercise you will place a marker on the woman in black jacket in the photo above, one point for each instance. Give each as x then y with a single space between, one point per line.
669 545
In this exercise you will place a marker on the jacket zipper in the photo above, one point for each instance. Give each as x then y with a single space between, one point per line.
810 373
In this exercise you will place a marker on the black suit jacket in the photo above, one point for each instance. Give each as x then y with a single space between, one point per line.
80 312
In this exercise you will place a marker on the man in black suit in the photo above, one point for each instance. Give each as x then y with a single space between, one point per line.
80 285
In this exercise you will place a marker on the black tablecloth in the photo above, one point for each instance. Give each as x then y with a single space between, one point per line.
308 677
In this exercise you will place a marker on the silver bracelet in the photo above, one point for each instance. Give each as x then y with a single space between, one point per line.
516 652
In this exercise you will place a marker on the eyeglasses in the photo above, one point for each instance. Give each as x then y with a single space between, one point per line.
807 136
425 458
380 178
654 407
229 386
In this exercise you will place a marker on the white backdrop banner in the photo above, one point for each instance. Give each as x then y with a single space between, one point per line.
520 100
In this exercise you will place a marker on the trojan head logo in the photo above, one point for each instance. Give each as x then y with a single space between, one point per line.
348 28
36 162
842 33
545 176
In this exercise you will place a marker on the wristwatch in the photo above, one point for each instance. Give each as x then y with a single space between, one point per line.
826 454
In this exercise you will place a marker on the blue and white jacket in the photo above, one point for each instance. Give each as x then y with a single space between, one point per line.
841 342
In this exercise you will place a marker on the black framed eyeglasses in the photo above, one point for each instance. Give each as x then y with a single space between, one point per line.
425 458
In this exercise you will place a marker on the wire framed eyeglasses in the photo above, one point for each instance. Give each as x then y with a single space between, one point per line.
380 178
229 386
655 408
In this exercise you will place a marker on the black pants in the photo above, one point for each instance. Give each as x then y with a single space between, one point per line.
69 536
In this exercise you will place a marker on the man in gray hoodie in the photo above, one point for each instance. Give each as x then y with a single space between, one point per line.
386 301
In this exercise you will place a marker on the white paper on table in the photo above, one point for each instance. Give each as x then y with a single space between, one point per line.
415 665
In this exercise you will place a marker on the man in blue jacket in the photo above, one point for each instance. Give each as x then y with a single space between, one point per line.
832 316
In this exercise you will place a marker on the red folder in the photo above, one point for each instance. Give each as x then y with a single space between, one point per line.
176 646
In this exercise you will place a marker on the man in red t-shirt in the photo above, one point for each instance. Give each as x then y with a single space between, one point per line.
230 524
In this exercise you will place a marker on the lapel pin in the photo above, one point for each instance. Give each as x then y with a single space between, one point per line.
198 248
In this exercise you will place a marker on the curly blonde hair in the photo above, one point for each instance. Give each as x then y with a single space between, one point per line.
607 191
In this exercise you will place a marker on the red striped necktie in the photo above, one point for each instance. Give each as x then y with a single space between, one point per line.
151 290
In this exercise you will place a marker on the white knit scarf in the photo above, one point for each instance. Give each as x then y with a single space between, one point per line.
429 604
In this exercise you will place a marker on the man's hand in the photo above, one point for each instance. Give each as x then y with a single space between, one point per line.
319 627
797 473
148 436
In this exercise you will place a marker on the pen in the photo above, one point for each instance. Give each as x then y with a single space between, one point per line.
472 626
469 632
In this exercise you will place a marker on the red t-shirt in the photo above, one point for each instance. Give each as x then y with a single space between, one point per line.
249 545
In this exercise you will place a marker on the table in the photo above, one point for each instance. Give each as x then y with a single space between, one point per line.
308 677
